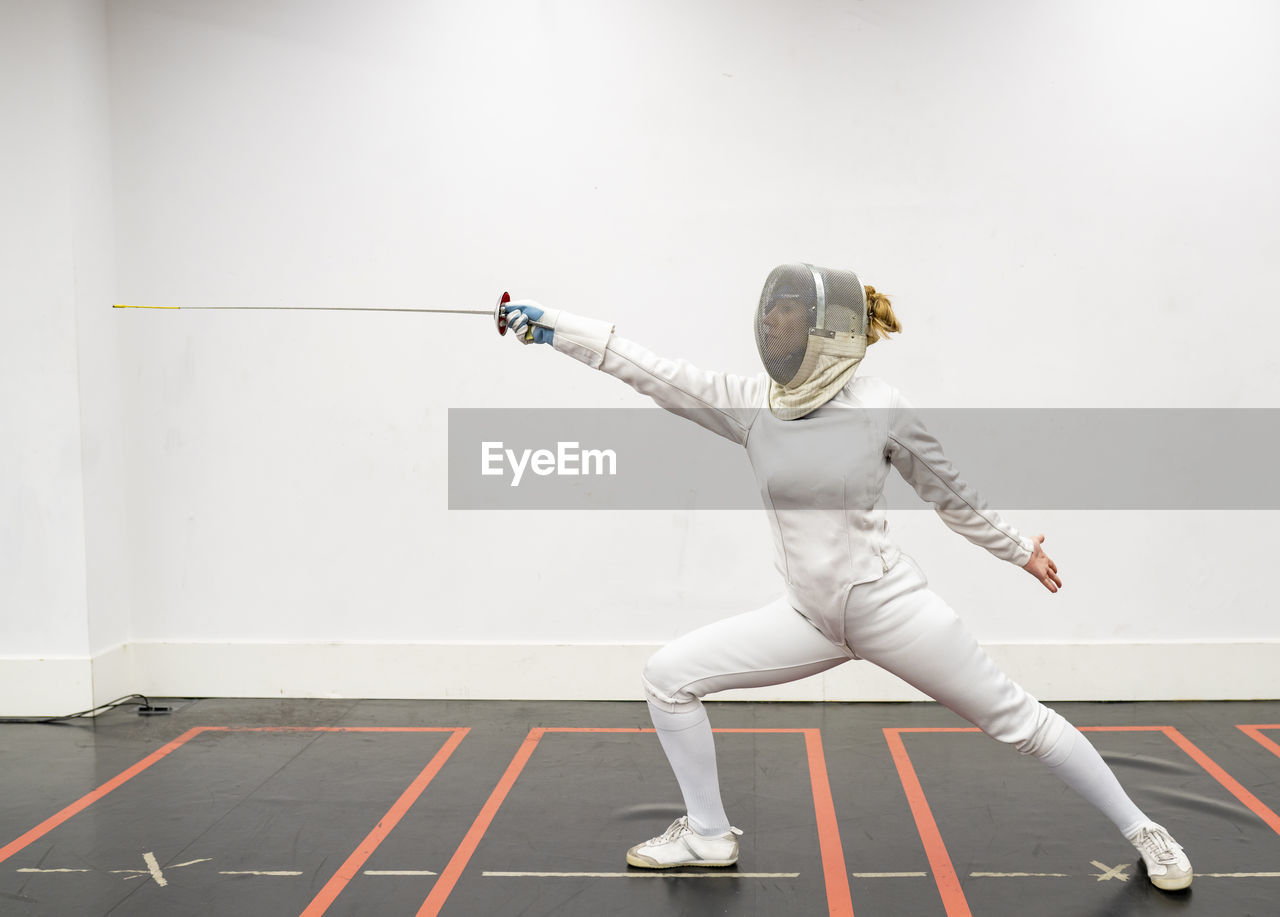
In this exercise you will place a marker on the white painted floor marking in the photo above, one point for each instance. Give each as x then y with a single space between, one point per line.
154 868
1107 873
649 874
29 869
1111 872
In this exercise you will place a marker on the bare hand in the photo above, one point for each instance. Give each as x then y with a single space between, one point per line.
1042 567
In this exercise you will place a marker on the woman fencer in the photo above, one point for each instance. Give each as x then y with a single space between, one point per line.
821 440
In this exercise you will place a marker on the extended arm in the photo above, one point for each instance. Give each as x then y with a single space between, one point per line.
723 403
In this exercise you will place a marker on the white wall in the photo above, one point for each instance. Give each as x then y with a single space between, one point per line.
107 421
55 248
1070 203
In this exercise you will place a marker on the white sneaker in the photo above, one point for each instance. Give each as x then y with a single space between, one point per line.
1167 866
679 846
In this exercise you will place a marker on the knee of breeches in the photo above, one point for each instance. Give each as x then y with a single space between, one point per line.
664 687
1045 733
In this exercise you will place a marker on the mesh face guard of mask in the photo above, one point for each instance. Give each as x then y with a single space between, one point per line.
806 312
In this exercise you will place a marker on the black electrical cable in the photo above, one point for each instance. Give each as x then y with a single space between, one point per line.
92 711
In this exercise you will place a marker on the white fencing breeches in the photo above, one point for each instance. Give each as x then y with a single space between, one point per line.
897 623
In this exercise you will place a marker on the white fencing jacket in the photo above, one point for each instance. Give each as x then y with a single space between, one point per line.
826 506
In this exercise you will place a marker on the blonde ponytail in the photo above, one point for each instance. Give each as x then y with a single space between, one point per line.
880 318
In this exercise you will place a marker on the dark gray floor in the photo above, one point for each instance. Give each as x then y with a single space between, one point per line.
290 821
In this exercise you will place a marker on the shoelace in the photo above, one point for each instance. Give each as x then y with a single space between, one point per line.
678 827
1159 845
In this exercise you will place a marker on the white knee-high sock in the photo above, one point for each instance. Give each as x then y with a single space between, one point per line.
1077 764
687 740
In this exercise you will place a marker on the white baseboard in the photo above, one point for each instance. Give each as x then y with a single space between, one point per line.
33 687
1176 671
45 687
113 674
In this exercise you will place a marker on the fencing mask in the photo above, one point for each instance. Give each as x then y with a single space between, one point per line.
811 330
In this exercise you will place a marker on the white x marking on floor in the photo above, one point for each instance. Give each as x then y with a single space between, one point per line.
153 869
1111 872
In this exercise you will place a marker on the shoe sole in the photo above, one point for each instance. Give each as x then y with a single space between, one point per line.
643 862
1171 885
